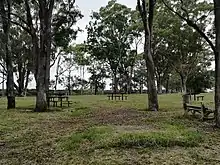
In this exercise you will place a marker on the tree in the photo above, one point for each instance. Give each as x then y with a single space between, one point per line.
21 53
81 60
109 38
147 19
98 73
202 80
5 11
140 75
49 29
215 47
217 61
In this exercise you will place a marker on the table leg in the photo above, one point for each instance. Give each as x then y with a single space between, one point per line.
48 103
61 102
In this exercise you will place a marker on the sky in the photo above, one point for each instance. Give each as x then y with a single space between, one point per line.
86 7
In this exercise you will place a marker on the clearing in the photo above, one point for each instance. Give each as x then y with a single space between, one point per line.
95 130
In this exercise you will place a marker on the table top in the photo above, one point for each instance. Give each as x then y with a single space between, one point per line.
57 96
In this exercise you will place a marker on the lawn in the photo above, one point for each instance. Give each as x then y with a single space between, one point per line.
95 130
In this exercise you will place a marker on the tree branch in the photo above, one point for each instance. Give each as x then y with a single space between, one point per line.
193 25
55 58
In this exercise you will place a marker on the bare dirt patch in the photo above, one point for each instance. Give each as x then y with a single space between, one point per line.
120 117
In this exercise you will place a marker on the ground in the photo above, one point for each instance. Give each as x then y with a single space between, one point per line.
97 131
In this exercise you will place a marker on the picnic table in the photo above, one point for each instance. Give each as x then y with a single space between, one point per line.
58 99
196 96
120 96
200 96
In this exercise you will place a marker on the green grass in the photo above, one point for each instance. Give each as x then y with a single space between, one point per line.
95 130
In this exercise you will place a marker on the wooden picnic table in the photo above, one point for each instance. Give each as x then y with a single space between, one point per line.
200 96
120 96
58 99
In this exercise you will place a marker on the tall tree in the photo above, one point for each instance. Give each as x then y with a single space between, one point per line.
48 29
217 61
81 60
5 9
192 22
109 38
147 16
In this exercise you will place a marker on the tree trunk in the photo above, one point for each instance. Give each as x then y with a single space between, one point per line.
183 84
43 67
26 82
167 85
152 91
129 78
57 74
3 84
6 28
217 62
82 79
21 77
141 85
69 83
96 88
148 27
159 85
115 84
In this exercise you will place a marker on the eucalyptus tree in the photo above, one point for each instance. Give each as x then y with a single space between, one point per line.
50 25
98 73
217 61
205 8
202 80
5 12
82 60
147 14
139 78
109 37
22 62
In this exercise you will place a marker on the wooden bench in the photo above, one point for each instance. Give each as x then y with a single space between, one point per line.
204 111
200 96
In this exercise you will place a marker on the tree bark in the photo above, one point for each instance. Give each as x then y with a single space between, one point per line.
96 87
26 82
6 28
217 62
147 18
43 59
159 85
21 78
167 84
183 84
3 84
115 83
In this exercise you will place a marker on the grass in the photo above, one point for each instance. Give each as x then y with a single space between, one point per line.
95 130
